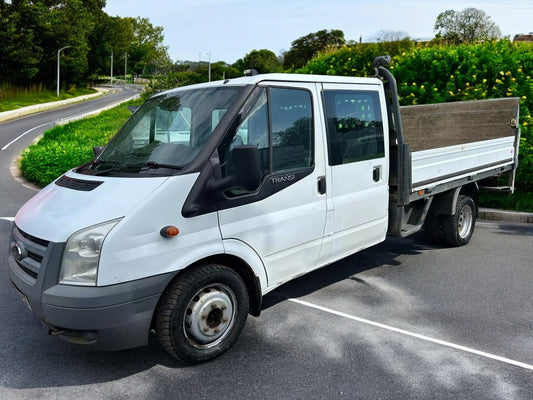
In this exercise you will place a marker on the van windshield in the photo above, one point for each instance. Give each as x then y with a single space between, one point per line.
165 133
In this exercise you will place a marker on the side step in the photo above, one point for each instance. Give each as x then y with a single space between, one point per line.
496 188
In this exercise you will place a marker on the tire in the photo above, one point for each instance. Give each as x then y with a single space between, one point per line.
457 229
202 313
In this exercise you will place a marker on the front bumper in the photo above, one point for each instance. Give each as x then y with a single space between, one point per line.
112 317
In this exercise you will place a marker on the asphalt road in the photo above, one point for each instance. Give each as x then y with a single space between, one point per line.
402 320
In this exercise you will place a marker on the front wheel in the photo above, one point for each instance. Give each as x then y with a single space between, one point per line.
202 313
457 229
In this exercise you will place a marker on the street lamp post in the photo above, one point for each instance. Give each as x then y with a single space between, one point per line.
111 67
209 66
58 55
125 68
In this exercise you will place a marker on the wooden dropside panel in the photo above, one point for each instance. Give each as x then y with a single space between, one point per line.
430 126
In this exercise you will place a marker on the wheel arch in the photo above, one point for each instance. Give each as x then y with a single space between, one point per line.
471 190
446 203
241 267
245 271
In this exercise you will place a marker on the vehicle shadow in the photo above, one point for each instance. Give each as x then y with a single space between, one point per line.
515 229
382 254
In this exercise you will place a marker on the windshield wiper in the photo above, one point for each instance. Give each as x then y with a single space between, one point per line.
119 166
96 163
153 165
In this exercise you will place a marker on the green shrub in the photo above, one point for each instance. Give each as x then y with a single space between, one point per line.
354 60
66 147
519 201
469 72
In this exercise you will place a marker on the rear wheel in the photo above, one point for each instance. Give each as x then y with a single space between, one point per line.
457 229
202 313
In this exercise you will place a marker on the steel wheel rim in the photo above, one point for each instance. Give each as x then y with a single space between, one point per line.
466 218
209 316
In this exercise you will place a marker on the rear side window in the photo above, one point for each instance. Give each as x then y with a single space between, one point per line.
354 126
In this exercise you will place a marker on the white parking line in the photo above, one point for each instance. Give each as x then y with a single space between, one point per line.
415 335
8 218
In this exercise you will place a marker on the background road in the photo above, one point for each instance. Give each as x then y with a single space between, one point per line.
402 320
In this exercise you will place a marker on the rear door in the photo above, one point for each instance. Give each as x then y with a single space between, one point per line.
357 171
283 221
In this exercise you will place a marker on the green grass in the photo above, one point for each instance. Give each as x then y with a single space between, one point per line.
519 201
65 147
11 99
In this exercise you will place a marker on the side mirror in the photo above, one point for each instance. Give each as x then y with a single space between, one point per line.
133 109
247 167
246 174
97 150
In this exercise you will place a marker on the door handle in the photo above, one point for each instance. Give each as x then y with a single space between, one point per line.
322 184
376 173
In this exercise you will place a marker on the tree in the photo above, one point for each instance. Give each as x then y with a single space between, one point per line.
32 31
110 34
19 53
306 47
467 26
147 54
264 61
390 36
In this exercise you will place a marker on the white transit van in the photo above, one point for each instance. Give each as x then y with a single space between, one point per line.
212 195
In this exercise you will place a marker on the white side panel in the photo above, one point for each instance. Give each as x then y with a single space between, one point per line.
134 249
360 207
285 229
373 232
449 163
247 254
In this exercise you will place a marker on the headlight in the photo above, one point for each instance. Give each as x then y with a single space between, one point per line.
79 265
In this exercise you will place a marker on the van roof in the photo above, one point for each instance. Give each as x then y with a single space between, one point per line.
255 79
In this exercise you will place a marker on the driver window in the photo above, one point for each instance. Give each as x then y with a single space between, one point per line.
280 125
252 131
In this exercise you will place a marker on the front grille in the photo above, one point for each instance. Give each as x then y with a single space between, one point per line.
35 257
28 271
28 252
34 239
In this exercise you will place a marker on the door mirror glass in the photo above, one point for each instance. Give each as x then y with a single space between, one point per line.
247 167
244 170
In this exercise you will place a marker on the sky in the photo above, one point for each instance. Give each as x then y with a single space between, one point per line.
226 30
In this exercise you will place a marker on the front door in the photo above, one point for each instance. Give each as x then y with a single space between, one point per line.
283 221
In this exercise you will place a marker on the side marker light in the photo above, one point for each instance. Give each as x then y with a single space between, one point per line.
169 231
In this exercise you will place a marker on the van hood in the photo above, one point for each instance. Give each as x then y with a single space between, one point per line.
76 201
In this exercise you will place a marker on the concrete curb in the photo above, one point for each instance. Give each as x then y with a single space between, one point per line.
65 121
490 214
24 111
